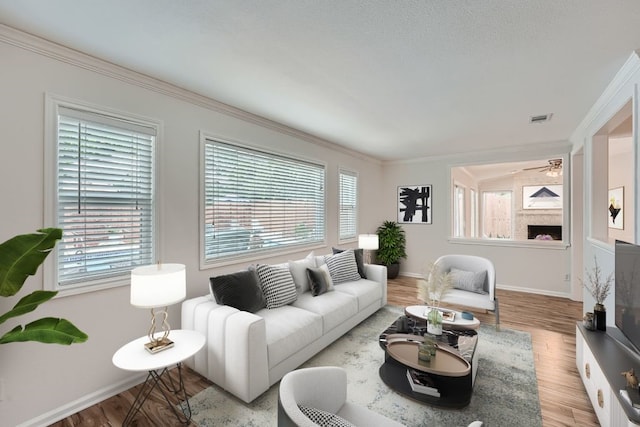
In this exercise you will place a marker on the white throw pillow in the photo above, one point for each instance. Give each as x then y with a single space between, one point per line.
298 271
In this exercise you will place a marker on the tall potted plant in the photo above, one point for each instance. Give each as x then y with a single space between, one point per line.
392 247
20 257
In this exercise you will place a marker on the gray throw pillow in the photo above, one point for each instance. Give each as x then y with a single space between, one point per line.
324 418
319 280
469 280
240 290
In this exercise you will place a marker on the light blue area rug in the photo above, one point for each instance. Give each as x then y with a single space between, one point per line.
505 392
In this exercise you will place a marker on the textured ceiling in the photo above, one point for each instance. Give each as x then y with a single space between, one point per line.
391 79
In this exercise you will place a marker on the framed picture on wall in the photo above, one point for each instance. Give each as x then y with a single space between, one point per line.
414 204
542 196
616 208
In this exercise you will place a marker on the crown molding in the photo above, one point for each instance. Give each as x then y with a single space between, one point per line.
43 47
609 102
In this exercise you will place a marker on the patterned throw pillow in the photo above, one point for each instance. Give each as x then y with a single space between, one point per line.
277 285
324 418
342 266
359 253
319 280
469 280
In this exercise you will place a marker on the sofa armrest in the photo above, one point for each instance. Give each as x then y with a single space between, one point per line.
246 358
378 273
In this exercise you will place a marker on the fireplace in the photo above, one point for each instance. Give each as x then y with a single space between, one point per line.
544 232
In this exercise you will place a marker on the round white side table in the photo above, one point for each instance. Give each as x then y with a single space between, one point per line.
134 357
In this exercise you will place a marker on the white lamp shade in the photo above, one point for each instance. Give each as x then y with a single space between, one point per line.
158 285
368 241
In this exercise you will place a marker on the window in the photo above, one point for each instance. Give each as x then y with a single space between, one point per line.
473 221
496 214
348 205
256 201
104 186
459 211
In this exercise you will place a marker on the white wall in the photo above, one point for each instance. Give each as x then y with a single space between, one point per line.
546 267
45 381
607 113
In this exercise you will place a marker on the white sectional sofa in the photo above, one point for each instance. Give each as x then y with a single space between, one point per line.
246 353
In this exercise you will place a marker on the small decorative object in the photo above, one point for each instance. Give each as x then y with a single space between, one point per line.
427 349
467 315
431 289
630 376
587 321
599 290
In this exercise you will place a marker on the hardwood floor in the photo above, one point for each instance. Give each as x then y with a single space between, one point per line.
550 320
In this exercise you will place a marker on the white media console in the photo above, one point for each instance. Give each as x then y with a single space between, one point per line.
600 359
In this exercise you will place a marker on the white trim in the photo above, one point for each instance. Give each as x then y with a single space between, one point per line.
84 402
529 244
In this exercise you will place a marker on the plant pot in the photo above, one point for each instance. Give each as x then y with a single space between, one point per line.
599 317
393 270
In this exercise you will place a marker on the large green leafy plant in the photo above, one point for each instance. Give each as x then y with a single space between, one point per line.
20 258
392 243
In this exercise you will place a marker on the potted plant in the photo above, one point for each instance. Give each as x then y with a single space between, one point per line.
20 257
392 247
599 289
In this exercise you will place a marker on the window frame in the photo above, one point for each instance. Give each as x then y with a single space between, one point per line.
349 238
205 263
53 105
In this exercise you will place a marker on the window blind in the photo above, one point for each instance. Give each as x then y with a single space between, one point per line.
105 202
348 205
256 201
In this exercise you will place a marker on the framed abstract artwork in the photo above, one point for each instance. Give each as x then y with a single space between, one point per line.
414 204
616 208
542 197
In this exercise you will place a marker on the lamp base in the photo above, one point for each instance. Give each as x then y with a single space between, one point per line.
158 345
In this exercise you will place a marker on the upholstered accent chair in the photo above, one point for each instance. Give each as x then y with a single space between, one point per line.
322 390
474 281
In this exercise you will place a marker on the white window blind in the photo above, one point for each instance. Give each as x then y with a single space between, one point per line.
105 202
256 201
348 205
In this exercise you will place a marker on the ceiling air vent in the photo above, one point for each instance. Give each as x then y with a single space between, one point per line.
542 118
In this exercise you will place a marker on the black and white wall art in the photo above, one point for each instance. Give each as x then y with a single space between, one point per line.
616 208
414 204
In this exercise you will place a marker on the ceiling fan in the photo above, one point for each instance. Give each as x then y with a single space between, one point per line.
553 169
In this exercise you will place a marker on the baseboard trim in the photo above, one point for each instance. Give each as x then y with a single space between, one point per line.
512 288
78 405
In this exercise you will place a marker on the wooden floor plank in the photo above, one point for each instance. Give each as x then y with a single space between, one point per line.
550 320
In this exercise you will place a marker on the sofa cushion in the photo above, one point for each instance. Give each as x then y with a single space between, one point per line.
343 267
366 291
288 330
240 290
334 307
324 418
468 280
277 285
298 271
319 280
359 254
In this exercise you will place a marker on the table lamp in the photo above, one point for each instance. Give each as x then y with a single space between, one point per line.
158 285
368 243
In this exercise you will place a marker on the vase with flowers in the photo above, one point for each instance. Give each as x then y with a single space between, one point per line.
431 288
599 289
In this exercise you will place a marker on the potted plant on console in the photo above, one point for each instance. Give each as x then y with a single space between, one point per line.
392 247
599 289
